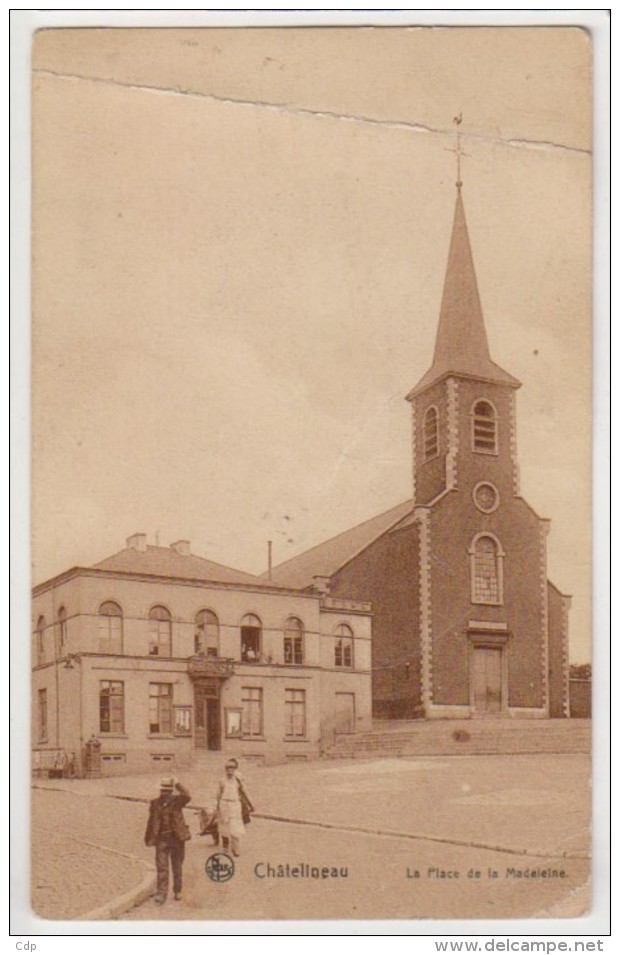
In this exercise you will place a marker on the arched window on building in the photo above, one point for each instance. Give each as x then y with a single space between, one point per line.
486 556
207 634
431 433
293 641
40 641
484 428
251 633
62 631
160 632
343 651
110 628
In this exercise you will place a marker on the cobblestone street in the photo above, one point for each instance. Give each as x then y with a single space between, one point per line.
449 815
79 849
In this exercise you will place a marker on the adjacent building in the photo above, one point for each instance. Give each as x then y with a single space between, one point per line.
159 653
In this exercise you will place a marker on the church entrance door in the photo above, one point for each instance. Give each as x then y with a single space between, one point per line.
207 724
487 681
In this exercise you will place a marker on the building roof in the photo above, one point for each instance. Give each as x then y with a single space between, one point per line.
166 562
461 346
325 559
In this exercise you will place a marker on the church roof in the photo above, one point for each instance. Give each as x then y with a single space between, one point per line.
461 346
325 559
166 562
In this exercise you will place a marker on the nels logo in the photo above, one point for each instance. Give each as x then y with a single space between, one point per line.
219 867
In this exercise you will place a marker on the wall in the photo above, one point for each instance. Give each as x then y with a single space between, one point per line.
73 712
386 574
580 699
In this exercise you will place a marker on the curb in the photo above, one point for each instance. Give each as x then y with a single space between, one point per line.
128 900
421 837
391 833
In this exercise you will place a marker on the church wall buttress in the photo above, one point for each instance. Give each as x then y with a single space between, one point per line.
558 605
426 632
544 613
414 446
452 428
516 477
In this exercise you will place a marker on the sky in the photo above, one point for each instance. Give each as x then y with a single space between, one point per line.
239 245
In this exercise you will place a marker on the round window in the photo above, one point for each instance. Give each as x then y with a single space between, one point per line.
486 497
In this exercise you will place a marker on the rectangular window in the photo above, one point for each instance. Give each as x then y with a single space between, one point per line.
160 708
110 634
343 655
160 638
42 715
250 644
252 706
111 706
295 713
182 720
293 649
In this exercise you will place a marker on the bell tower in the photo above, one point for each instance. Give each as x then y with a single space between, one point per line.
463 408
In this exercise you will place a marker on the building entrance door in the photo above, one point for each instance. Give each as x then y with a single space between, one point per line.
207 722
487 681
345 712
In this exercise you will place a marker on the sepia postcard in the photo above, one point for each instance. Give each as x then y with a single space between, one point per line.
311 474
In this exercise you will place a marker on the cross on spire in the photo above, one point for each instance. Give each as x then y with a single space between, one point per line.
457 120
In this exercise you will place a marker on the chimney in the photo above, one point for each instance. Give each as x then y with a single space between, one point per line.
181 547
321 584
137 542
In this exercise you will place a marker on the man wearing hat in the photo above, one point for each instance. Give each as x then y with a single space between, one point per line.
168 832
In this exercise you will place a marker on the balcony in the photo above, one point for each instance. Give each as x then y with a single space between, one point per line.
200 667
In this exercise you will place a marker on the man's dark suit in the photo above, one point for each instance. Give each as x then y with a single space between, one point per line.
166 813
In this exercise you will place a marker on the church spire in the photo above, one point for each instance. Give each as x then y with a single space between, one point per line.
461 346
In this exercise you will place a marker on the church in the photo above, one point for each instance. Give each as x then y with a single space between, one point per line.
465 622
437 608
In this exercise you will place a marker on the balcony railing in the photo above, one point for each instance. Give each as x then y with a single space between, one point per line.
203 666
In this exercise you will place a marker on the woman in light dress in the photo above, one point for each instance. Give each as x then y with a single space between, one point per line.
231 794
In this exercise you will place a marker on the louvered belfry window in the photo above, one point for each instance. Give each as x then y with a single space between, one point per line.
485 428
431 433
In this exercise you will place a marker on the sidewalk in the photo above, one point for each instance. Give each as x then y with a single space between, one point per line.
82 859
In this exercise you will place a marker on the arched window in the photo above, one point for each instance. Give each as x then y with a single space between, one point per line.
62 631
207 634
486 558
484 425
343 652
160 632
251 631
293 641
431 433
40 641
110 628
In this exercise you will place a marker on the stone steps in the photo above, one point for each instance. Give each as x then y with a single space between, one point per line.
466 737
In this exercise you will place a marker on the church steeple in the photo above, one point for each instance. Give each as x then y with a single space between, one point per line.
461 346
